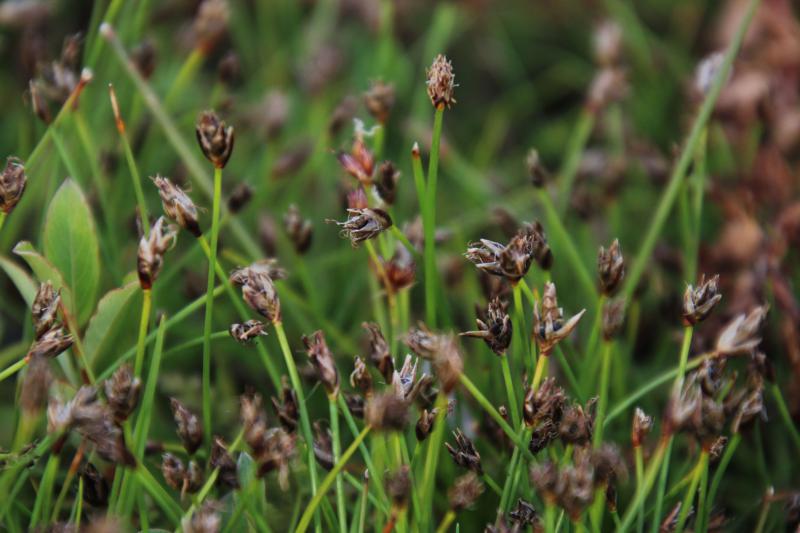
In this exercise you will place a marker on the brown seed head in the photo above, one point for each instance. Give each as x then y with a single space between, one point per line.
35 389
610 268
247 332
322 359
379 354
299 230
363 224
358 162
425 423
189 427
152 248
173 470
177 205
239 198
398 486
577 424
538 174
464 453
12 184
610 84
45 308
379 100
613 318
215 138
549 327
496 331
640 427
741 334
323 445
698 302
465 491
386 184
211 23
206 519
286 408
122 392
545 479
258 288
524 514
441 82
545 403
95 486
360 378
607 43
221 459
751 406
51 343
386 412
144 56
400 270
355 404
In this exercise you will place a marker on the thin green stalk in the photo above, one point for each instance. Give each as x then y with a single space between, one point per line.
210 306
305 421
305 519
702 493
641 495
679 171
432 460
144 321
341 511
702 464
764 513
639 460
569 169
44 493
162 498
730 449
549 517
3 216
429 220
444 525
13 369
131 160
510 390
662 485
419 178
521 331
603 401
186 73
785 416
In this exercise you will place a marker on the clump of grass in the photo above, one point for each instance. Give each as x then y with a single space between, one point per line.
129 377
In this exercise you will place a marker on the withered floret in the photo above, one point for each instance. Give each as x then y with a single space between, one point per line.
610 268
247 332
299 230
215 138
12 184
496 330
464 453
122 392
152 248
363 224
698 302
189 426
441 82
44 308
322 359
465 491
177 205
549 327
379 354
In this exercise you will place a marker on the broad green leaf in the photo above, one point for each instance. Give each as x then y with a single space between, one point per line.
70 244
22 281
45 271
105 324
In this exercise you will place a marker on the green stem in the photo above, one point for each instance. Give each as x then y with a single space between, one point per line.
305 421
662 486
702 464
701 498
3 216
785 416
639 460
730 449
212 261
510 390
641 495
603 401
520 337
309 512
13 369
444 525
337 452
573 158
429 220
143 323
432 459
679 171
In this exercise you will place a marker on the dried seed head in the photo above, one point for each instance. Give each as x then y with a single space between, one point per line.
544 434
404 383
299 230
536 242
35 388
211 23
549 327
707 71
441 82
221 459
751 406
206 519
545 403
177 205
276 453
716 448
398 486
215 138
240 197
152 248
608 465
447 362
670 523
741 334
425 423
258 288
247 332
45 308
684 405
321 357
379 100
422 341
524 514
537 172
465 491
122 392
363 224
229 68
193 481
51 343
360 378
610 84
607 43
358 162
173 470
323 445
386 412
640 427
513 260
610 268
379 354
254 421
189 427
357 199
355 404
400 270
577 424
95 486
545 479
613 318
698 302
464 453
496 331
143 57
286 408
386 184
12 184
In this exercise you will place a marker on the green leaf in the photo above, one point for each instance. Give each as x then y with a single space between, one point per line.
45 271
70 244
106 323
22 281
